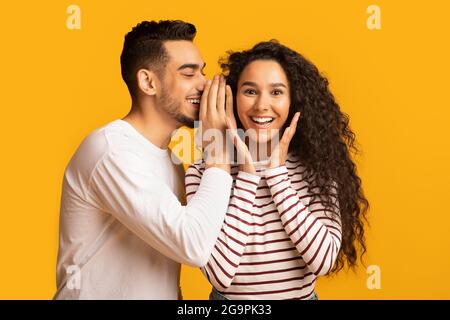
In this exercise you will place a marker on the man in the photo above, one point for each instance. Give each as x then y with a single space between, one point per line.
123 229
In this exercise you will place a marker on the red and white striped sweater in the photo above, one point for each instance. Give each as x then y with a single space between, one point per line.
274 242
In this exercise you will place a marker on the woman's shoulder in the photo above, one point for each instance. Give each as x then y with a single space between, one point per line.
293 162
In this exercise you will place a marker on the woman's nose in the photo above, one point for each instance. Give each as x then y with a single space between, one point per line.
262 103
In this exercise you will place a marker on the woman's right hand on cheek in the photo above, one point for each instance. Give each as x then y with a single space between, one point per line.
244 157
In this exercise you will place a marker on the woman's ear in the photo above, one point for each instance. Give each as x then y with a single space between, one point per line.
146 81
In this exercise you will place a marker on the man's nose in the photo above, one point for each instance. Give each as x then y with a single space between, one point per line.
201 83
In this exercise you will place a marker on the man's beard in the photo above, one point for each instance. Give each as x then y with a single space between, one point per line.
173 108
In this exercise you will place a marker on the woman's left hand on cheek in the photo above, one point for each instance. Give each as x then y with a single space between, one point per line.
280 152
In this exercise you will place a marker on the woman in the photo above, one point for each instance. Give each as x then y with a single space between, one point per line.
296 211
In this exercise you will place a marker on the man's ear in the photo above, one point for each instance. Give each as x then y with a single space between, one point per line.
147 81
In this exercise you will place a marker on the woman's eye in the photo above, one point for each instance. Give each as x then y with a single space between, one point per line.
189 75
250 91
277 92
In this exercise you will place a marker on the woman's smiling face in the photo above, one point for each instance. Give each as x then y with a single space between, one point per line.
263 99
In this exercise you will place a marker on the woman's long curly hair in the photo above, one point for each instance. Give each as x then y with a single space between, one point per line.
323 141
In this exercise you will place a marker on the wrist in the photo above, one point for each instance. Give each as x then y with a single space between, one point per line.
225 167
248 168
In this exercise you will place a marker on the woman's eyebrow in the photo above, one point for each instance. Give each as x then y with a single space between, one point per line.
253 84
278 84
249 83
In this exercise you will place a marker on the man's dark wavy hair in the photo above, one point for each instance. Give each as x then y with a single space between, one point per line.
323 141
144 47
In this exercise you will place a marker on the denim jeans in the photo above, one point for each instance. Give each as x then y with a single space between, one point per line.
216 295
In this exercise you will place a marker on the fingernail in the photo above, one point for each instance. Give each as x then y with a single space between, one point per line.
209 82
216 77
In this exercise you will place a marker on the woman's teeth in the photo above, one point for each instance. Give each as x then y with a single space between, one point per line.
261 120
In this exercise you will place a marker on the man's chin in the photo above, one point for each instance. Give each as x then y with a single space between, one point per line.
186 121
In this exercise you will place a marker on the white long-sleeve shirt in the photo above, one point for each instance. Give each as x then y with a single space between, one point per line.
275 241
123 228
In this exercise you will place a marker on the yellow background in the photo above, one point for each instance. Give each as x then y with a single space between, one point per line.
57 85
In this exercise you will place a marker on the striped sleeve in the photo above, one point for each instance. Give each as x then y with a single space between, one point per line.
192 179
226 255
315 234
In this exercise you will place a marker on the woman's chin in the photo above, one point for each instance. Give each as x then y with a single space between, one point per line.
261 136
